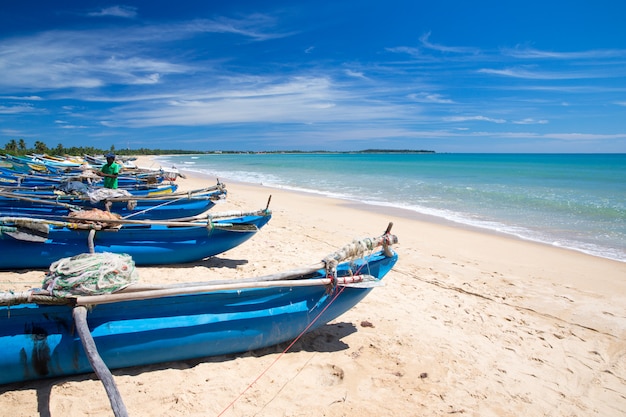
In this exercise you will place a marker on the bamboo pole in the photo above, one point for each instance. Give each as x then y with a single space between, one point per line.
50 201
75 223
292 278
200 193
149 292
293 274
300 273
158 293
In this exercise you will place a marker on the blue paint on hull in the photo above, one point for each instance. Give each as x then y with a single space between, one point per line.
39 341
146 244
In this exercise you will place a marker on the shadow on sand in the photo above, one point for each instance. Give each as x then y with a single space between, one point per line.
324 339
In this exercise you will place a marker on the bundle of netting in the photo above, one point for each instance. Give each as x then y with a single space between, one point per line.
90 274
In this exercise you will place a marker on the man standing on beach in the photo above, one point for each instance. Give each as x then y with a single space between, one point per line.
110 171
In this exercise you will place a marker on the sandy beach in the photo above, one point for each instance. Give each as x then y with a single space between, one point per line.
469 323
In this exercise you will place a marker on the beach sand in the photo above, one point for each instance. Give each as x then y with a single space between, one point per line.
469 323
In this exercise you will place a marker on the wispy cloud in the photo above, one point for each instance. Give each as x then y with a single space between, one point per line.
54 60
66 125
428 51
526 73
530 121
127 12
129 56
409 50
530 53
584 136
17 109
303 100
256 27
473 119
355 74
429 98
424 40
27 98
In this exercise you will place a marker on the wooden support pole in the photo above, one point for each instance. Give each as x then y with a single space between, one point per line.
367 281
117 404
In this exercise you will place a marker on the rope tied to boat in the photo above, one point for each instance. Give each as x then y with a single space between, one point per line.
90 274
358 248
354 250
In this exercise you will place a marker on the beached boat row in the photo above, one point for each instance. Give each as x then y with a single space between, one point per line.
39 225
29 242
47 171
150 324
154 206
92 314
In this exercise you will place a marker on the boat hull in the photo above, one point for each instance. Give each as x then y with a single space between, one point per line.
140 209
147 244
39 341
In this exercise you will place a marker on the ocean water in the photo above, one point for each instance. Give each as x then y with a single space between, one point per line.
573 201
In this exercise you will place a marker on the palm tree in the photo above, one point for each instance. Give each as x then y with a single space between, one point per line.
59 150
40 147
11 147
22 146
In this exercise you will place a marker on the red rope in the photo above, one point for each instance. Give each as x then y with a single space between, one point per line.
284 351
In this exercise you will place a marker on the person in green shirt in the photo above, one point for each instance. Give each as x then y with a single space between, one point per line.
110 171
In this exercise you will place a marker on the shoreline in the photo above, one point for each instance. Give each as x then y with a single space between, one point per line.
408 214
468 322
413 213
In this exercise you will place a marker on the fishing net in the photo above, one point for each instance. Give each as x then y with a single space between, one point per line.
90 274
98 194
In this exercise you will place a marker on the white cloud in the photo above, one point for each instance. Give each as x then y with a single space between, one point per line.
530 53
541 75
129 56
530 121
355 74
116 11
18 109
54 60
424 39
416 52
584 136
27 98
300 100
473 118
255 27
430 98
529 72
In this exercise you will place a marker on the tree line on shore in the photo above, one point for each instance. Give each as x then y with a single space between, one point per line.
19 148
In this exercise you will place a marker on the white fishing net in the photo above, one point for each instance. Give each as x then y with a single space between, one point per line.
90 274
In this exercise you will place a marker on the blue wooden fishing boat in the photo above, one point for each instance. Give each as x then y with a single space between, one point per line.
170 205
147 325
35 243
43 172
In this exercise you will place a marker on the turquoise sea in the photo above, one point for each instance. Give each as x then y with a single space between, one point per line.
573 201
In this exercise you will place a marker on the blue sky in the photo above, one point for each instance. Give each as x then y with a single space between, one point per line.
449 76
